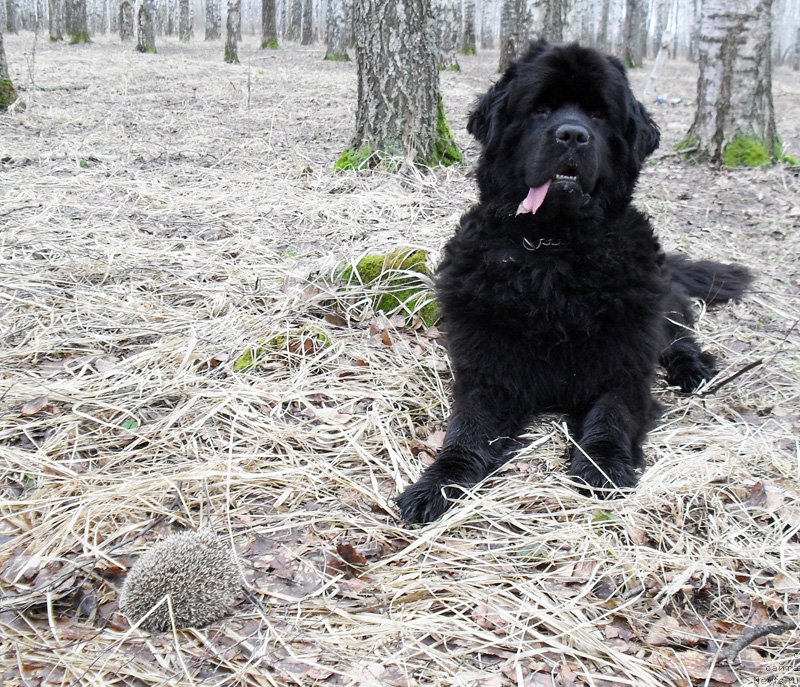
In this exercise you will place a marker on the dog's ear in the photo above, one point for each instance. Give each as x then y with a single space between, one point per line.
488 116
644 133
647 135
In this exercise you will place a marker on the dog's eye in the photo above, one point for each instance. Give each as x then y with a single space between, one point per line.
541 110
597 114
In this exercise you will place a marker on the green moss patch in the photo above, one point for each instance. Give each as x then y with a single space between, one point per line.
687 143
356 158
445 150
295 342
231 56
749 151
80 37
394 276
746 151
8 93
337 57
271 44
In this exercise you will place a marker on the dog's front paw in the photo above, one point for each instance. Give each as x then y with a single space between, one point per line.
605 478
689 374
423 501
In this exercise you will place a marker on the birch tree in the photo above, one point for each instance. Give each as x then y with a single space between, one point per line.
468 29
554 20
184 20
735 119
307 32
634 32
231 28
447 29
400 111
54 20
513 31
269 26
213 20
8 94
146 27
77 22
125 20
336 38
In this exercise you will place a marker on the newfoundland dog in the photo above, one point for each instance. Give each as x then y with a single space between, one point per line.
555 293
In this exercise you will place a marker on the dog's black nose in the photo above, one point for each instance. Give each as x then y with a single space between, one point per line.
573 135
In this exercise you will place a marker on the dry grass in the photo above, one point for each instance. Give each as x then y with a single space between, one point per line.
161 216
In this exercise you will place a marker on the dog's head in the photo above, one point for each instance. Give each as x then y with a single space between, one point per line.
562 134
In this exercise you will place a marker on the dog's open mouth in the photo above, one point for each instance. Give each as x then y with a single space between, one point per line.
566 176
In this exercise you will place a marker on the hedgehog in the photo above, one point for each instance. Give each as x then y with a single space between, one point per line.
198 572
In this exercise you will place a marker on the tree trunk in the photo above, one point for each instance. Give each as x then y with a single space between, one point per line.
513 31
294 20
12 16
400 111
184 20
634 28
553 22
231 25
8 93
125 20
307 34
468 36
487 28
447 29
146 27
796 61
54 20
734 90
269 28
212 20
78 27
336 38
602 34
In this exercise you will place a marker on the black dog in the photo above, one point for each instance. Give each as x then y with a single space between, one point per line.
555 293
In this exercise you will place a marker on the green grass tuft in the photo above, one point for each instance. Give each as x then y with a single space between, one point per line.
295 342
271 44
80 37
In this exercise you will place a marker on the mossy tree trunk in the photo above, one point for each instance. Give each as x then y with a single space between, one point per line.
54 20
513 31
8 93
468 29
125 20
448 22
269 26
307 34
146 28
231 28
734 90
633 31
336 38
78 25
399 109
212 20
184 20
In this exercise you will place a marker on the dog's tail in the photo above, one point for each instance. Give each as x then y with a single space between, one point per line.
713 282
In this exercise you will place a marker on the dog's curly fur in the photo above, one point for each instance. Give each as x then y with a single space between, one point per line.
566 305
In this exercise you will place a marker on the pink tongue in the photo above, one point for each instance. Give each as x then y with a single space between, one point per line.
535 198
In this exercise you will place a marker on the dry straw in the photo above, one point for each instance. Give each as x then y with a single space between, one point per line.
159 221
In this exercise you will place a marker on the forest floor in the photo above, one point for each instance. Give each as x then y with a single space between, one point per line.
164 215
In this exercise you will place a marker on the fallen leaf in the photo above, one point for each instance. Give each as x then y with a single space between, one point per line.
34 406
349 555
